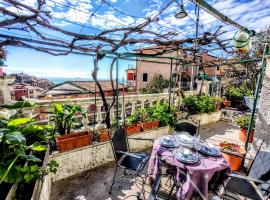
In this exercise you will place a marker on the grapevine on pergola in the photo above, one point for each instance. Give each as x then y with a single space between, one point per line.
32 20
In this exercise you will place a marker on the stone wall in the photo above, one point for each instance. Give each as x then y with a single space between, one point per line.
83 159
263 120
206 118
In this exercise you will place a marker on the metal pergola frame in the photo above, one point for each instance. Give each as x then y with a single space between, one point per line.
171 60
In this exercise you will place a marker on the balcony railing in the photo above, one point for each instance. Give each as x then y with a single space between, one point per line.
95 110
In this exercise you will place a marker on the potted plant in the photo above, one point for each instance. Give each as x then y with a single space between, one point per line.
131 125
233 153
163 115
65 118
243 123
103 133
199 104
226 103
236 93
145 119
218 102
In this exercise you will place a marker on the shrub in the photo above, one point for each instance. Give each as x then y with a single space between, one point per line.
199 104
161 112
233 91
243 122
140 115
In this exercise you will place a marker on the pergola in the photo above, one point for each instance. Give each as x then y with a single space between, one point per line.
116 43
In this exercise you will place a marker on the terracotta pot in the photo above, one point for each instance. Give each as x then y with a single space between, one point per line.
232 158
133 129
227 103
243 135
149 125
74 141
104 135
155 124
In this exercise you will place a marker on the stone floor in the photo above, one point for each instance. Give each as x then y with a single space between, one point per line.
94 184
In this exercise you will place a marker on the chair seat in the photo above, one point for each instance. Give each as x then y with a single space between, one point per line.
132 163
243 188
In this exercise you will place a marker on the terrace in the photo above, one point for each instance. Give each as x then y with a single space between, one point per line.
81 186
203 127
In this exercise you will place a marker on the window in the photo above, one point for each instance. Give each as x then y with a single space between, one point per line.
145 77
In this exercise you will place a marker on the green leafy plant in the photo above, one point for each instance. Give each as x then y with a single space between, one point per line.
243 122
233 91
163 114
66 117
23 142
199 104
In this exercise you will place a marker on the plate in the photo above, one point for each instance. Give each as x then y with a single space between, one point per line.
167 142
210 149
185 140
186 157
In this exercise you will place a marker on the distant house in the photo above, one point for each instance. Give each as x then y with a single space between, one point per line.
80 89
24 90
146 68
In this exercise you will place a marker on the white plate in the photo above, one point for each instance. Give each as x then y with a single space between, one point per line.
186 157
167 142
210 149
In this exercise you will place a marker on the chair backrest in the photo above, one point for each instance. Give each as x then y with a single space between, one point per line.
260 169
186 126
119 142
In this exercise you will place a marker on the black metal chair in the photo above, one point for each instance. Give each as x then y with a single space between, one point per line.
187 126
133 162
155 194
256 185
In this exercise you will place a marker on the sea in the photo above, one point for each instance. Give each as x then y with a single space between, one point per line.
58 80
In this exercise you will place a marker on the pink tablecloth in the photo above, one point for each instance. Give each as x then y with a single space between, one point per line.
198 174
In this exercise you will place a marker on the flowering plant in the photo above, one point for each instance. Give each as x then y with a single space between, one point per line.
232 147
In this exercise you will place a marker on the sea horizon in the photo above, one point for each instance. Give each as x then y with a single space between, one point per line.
58 80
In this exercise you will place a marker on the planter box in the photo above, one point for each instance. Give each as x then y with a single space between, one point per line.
206 118
149 125
42 186
133 129
104 135
73 141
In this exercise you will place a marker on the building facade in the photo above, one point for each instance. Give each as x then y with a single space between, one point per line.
146 68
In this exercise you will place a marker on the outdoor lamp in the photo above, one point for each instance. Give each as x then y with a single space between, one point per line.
181 13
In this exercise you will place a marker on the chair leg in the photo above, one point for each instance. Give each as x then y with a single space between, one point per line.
171 190
113 180
143 184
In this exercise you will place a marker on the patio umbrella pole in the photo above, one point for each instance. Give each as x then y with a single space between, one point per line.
258 88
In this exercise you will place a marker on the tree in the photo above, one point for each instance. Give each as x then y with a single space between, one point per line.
156 85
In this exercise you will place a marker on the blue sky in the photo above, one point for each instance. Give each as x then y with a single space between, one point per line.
254 14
